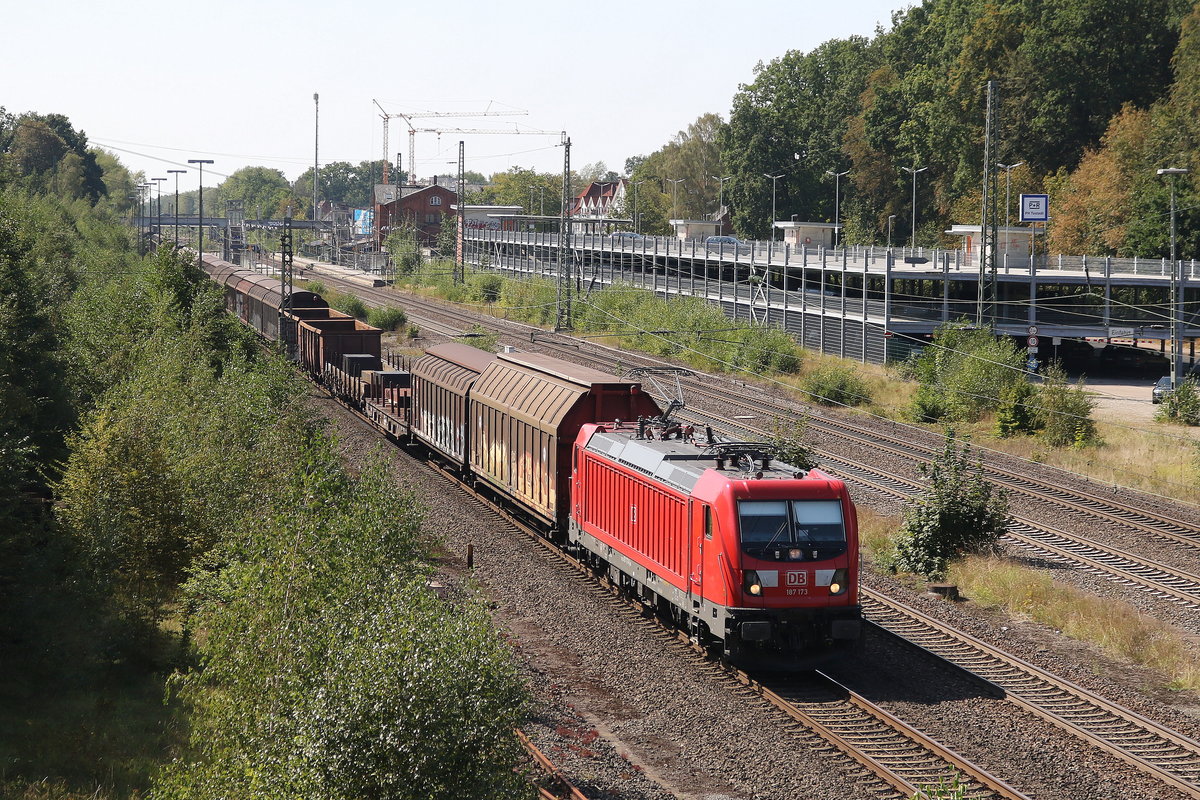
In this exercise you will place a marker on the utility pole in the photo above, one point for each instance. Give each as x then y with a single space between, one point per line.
986 306
774 180
837 177
287 322
720 195
565 256
461 221
316 150
176 173
675 195
200 162
1172 174
913 170
158 214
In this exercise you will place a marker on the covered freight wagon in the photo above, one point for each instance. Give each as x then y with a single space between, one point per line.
256 299
526 409
441 385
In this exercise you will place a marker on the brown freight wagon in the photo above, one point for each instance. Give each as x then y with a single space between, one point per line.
325 341
256 299
526 410
441 384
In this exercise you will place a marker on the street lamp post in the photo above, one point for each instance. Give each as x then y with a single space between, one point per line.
602 204
637 210
147 211
201 162
774 181
720 195
317 150
675 196
176 173
837 177
891 220
1176 342
913 171
1008 168
158 216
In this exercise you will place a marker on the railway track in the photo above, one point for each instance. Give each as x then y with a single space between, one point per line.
893 760
910 761
1128 569
1085 503
1149 746
1090 504
1125 734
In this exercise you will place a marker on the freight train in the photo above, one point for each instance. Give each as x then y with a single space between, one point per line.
755 558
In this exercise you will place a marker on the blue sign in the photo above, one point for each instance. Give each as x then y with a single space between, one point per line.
1031 364
1035 208
364 220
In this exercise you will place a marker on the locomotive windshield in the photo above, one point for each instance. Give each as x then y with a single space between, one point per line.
792 530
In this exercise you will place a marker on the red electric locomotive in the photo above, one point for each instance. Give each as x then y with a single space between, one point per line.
749 554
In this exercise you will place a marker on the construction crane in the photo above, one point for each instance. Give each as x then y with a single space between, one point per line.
471 131
412 132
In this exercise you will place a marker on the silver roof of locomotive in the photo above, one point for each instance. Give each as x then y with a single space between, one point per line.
678 462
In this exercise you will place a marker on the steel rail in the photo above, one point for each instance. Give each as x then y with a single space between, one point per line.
896 775
1147 745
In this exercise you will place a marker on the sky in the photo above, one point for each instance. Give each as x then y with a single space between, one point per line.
159 83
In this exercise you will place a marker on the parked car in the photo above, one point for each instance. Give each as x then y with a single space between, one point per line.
726 244
625 237
1124 358
1162 389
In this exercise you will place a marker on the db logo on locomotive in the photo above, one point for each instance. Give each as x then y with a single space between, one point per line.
796 579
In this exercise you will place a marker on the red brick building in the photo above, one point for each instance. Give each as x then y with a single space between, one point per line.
421 206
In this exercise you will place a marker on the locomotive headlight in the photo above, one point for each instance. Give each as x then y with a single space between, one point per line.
795 554
751 583
839 583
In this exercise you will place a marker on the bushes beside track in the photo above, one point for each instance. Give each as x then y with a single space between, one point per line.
206 519
685 328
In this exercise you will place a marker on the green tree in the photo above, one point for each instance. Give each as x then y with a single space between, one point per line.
447 238
33 149
790 443
124 507
260 190
1062 412
792 119
960 512
1014 414
33 384
521 187
404 247
692 155
1182 405
964 373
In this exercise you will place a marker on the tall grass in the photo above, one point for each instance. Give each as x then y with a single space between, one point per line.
1115 626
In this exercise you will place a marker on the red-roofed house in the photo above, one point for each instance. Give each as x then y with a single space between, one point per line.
601 200
422 206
